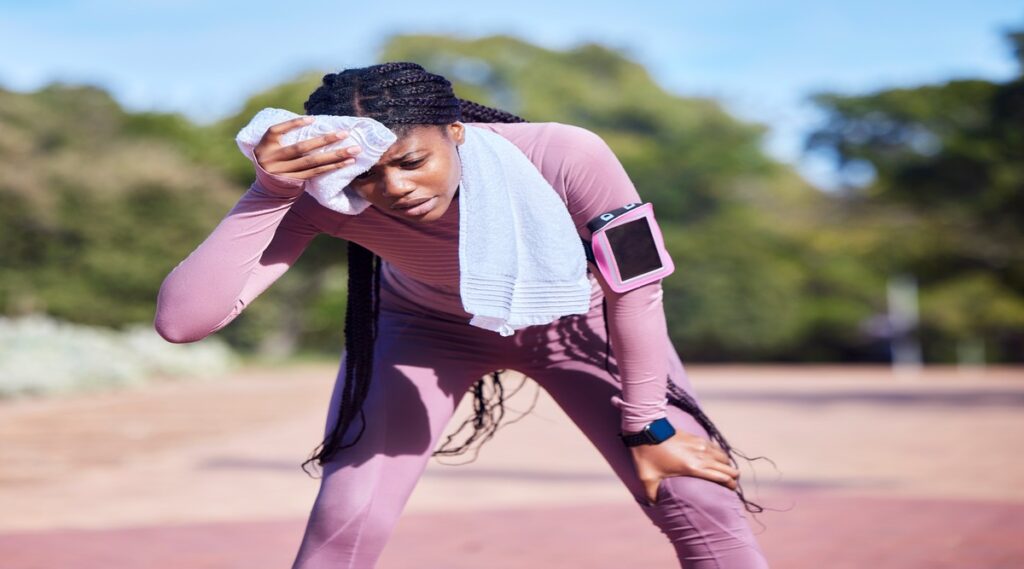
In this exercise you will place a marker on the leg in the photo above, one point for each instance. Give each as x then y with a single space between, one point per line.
702 519
420 374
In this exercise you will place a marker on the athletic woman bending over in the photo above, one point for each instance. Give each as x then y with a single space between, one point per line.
410 354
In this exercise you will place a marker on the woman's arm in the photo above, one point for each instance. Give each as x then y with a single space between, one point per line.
255 243
596 183
639 335
636 321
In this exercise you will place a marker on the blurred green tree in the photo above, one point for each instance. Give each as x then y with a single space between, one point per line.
940 168
98 205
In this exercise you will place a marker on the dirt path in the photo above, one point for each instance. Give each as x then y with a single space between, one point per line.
871 468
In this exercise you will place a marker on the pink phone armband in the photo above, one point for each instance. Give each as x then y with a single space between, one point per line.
627 247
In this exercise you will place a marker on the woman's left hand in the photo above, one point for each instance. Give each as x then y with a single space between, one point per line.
682 454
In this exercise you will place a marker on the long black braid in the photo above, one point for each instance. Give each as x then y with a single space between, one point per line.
402 96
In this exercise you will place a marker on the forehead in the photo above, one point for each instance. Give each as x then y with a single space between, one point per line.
419 138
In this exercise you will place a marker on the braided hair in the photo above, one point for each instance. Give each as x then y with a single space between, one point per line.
402 96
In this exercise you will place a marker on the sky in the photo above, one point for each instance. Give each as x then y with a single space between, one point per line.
759 59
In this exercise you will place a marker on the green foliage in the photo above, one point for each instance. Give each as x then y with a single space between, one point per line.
97 205
946 196
94 211
734 294
974 306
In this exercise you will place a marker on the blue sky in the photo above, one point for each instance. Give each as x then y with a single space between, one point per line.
760 59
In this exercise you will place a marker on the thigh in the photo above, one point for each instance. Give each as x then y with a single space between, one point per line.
421 370
568 359
702 519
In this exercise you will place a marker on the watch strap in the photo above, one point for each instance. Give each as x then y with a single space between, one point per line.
653 433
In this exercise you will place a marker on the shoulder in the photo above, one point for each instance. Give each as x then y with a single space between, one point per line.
578 164
560 140
563 153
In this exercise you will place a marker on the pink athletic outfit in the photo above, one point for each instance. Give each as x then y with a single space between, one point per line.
427 355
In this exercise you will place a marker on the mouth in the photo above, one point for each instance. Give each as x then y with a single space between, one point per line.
418 207
410 203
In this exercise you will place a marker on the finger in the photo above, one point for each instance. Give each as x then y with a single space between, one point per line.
724 478
303 146
720 455
265 150
724 468
325 168
318 159
713 449
718 476
275 131
651 491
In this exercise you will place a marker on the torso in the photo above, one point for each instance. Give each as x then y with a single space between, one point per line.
421 260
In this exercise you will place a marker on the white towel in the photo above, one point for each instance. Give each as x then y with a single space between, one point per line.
521 261
331 188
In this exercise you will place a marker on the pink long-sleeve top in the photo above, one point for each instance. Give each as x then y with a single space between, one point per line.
274 221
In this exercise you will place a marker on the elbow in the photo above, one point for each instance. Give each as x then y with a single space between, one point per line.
175 334
177 330
185 328
175 321
180 320
648 294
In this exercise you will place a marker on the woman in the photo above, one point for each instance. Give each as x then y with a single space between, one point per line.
410 354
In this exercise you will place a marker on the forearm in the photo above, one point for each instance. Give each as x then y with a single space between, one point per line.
639 339
205 291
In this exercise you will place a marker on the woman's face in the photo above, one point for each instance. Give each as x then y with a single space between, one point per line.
421 169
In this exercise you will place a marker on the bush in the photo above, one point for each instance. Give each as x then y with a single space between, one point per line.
40 355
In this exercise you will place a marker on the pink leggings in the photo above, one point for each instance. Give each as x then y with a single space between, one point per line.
424 363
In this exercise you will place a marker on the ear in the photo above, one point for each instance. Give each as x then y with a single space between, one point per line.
457 131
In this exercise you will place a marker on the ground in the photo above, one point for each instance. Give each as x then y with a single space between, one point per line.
871 469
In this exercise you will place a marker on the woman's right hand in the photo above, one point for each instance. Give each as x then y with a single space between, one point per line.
296 160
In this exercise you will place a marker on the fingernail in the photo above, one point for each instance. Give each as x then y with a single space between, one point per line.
355 150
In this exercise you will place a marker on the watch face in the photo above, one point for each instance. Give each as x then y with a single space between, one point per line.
661 429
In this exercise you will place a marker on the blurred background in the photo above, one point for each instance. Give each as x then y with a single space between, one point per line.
841 186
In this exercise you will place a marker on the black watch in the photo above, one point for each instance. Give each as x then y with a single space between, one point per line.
654 432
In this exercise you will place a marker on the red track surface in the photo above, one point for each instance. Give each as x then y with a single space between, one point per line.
838 532
875 474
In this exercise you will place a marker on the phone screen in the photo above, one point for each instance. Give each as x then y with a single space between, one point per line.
634 249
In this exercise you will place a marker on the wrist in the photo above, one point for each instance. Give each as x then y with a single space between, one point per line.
276 184
655 432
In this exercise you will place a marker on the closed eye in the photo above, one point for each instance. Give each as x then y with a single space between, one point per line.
408 165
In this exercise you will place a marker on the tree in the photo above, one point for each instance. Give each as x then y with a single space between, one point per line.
947 165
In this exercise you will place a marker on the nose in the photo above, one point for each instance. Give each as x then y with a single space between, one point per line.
394 187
